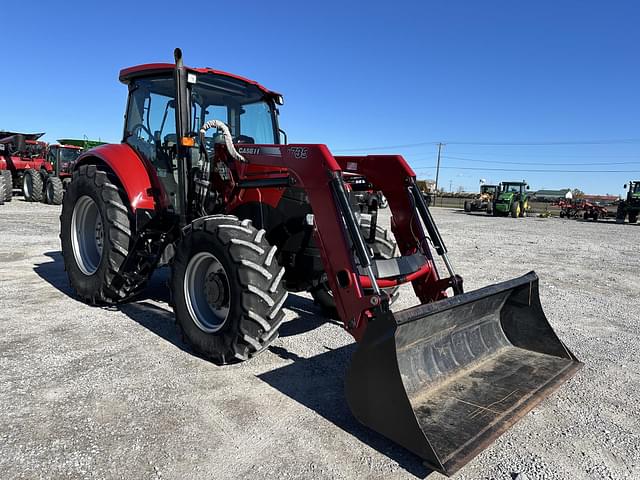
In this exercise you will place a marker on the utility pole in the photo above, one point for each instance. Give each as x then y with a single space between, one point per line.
440 145
450 186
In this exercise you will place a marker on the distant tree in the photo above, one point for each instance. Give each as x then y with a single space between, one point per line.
577 193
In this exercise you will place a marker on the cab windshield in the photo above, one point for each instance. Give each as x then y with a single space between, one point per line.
635 188
68 155
512 187
240 105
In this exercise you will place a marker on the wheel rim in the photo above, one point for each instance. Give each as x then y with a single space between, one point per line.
207 293
27 185
87 235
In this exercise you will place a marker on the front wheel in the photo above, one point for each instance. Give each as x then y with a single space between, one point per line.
227 289
633 217
515 209
467 206
53 191
32 186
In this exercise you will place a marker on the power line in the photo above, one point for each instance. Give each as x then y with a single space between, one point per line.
619 141
539 163
530 170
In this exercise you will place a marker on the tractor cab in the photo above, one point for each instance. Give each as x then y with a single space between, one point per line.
62 157
248 109
634 191
517 188
488 190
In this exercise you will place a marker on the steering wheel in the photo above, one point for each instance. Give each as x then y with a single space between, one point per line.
144 128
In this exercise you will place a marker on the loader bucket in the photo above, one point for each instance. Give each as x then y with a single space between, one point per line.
445 379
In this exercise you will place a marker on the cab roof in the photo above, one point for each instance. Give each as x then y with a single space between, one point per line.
128 74
64 145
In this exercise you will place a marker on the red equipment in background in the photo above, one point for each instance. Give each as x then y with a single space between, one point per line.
582 208
23 164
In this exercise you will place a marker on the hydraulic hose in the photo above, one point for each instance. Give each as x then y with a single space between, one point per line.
226 134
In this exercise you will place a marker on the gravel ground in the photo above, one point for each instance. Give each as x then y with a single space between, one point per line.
114 393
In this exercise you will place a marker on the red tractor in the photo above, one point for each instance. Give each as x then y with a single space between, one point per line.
23 164
62 157
202 181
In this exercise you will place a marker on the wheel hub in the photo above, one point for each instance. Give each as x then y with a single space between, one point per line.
87 235
206 292
215 290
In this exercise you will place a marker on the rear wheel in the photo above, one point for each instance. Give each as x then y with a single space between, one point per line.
383 247
8 184
32 186
2 190
633 217
467 206
620 213
95 231
53 191
227 289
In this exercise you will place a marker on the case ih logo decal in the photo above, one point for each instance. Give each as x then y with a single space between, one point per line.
249 150
298 152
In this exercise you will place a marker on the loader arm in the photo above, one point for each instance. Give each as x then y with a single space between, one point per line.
313 168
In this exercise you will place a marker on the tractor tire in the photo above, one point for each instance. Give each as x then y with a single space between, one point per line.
95 232
515 209
227 289
2 190
489 208
620 213
633 217
383 247
32 186
467 206
8 184
53 191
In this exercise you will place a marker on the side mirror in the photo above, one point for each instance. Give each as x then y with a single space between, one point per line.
625 186
528 187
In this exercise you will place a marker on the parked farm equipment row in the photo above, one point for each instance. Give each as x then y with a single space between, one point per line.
507 198
40 171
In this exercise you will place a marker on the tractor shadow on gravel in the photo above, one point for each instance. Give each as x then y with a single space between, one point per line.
324 394
159 319
318 384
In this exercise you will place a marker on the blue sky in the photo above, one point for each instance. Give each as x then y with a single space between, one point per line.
363 74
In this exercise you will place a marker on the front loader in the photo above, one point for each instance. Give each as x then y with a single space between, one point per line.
202 181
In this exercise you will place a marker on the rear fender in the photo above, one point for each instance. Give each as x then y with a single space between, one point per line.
136 175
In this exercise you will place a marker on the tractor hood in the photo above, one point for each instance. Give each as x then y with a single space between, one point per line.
506 197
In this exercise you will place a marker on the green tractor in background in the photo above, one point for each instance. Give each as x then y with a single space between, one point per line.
631 205
512 199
